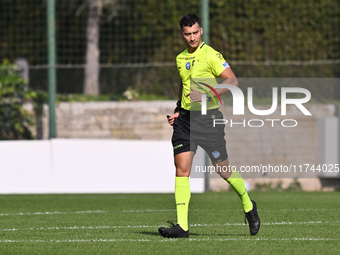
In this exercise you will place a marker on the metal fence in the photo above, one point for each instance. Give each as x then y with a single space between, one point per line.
138 41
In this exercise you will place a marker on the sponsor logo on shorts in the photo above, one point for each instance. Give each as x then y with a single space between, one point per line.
215 154
178 146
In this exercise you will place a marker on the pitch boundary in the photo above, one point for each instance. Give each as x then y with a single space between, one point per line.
170 240
49 213
157 226
153 210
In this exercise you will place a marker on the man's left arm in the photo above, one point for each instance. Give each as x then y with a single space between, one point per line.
228 77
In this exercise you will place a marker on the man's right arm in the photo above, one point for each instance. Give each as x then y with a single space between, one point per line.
180 91
172 117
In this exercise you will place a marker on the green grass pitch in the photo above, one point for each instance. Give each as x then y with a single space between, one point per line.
291 223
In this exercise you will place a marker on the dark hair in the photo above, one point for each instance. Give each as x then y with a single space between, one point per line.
189 20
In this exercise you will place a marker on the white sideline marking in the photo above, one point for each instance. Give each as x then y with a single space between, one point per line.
230 209
156 226
79 227
170 240
74 241
311 209
48 213
88 211
265 223
148 210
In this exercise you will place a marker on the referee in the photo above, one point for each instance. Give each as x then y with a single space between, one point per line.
200 62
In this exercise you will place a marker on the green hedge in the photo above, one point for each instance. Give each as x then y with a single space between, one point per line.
14 120
147 31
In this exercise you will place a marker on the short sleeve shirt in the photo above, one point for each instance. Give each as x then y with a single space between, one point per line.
204 65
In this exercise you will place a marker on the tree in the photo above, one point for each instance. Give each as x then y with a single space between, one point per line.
91 86
14 120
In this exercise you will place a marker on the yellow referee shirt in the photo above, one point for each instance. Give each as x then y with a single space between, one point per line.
204 65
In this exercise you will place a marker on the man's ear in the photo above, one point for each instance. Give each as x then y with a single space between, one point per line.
201 31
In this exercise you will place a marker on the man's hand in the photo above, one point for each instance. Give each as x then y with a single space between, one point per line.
172 118
194 95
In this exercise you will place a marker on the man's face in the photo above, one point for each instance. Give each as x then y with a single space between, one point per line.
193 35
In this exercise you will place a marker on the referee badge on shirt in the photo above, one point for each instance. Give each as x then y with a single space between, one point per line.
225 65
188 65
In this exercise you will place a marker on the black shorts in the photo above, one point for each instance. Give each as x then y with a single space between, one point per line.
191 129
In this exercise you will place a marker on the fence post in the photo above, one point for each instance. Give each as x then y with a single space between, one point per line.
206 39
205 20
51 66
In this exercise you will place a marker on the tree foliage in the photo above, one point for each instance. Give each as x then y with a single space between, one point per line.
136 34
146 31
14 120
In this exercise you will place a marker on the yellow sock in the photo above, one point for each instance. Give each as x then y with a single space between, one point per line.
237 183
182 197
